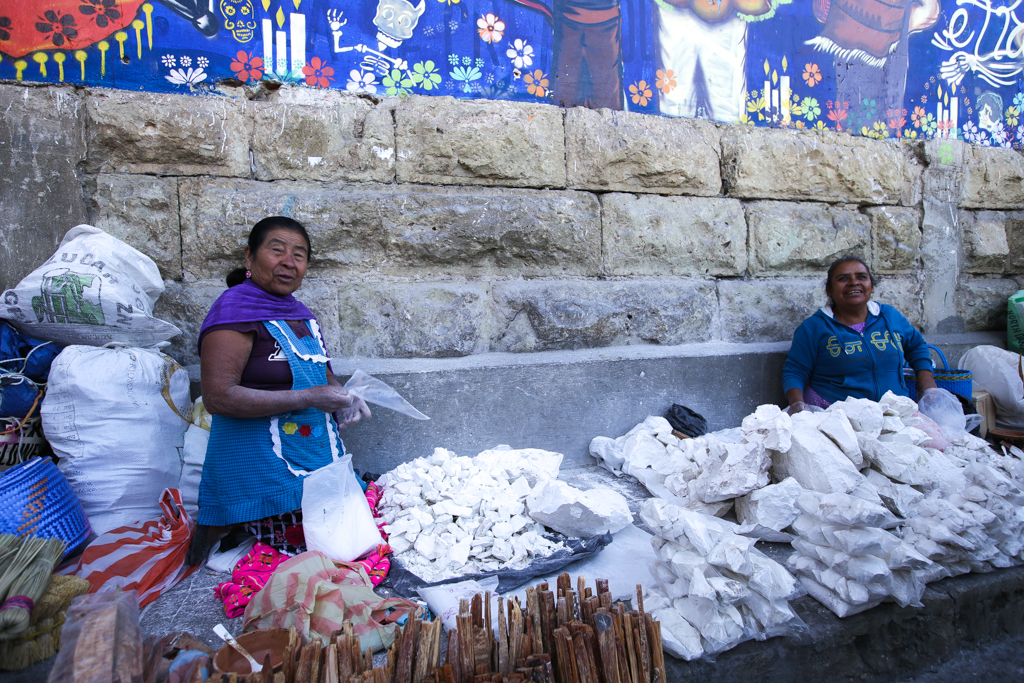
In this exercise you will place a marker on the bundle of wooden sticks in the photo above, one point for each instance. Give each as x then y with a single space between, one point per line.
565 636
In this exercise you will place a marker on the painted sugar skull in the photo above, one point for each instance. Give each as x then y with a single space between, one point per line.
239 18
396 20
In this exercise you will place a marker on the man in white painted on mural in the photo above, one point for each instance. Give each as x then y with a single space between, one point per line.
711 35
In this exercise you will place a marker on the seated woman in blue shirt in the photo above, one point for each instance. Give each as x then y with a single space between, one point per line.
852 346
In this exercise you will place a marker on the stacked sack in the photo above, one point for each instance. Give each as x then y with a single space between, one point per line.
703 474
115 417
714 589
848 561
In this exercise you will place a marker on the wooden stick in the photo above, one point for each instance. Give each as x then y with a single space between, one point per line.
449 677
406 652
502 638
533 610
620 648
657 651
454 658
644 645
549 622
288 663
570 603
643 656
492 650
628 642
482 648
584 672
605 627
305 669
330 673
423 656
367 658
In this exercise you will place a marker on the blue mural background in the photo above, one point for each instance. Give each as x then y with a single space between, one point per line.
928 68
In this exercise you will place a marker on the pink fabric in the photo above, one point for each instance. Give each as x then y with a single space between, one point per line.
248 578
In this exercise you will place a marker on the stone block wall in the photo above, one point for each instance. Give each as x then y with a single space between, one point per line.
445 228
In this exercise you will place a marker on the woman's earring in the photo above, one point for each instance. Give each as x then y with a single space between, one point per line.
248 274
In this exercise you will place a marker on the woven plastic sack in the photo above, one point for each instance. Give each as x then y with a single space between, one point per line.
116 418
148 557
94 290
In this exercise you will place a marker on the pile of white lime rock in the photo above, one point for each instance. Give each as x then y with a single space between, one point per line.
876 499
450 516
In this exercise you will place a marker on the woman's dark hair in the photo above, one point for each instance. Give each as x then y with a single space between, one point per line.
258 235
846 259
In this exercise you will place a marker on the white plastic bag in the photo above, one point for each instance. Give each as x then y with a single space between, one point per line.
94 290
444 600
116 418
999 372
193 457
372 390
336 518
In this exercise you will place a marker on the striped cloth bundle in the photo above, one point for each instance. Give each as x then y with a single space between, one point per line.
146 556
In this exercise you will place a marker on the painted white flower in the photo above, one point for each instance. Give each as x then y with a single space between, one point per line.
186 61
202 62
186 77
520 53
168 60
362 81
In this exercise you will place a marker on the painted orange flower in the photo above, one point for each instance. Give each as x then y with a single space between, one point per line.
318 73
918 116
641 93
246 67
490 28
536 83
812 75
666 81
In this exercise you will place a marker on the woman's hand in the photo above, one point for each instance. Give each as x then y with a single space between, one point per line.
796 401
925 381
332 398
355 412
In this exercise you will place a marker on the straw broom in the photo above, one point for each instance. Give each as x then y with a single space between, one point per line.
29 586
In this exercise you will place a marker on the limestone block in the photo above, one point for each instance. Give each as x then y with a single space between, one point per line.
402 230
406 320
803 238
773 506
744 469
767 163
895 460
535 316
896 236
770 426
532 463
1015 241
992 178
816 463
905 295
42 144
837 427
143 212
131 132
982 302
576 513
986 248
767 310
342 138
649 235
631 152
446 141
865 415
186 307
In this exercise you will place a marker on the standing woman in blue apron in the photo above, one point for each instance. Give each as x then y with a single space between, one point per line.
269 386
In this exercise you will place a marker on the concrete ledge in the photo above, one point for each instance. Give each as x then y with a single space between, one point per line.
879 644
560 400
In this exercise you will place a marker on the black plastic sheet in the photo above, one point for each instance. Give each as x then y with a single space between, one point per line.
405 583
686 421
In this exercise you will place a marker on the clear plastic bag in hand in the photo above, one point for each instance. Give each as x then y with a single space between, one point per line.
372 390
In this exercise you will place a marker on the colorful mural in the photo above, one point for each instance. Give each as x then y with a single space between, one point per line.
880 68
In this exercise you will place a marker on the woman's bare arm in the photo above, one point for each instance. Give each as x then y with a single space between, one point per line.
225 354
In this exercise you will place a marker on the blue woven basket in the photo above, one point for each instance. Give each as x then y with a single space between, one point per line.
35 498
952 380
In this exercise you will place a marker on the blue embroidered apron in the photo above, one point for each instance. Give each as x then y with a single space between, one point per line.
255 466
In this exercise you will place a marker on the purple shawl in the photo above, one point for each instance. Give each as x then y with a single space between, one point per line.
247 303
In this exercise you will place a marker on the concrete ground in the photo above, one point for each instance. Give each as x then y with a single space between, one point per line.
970 627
